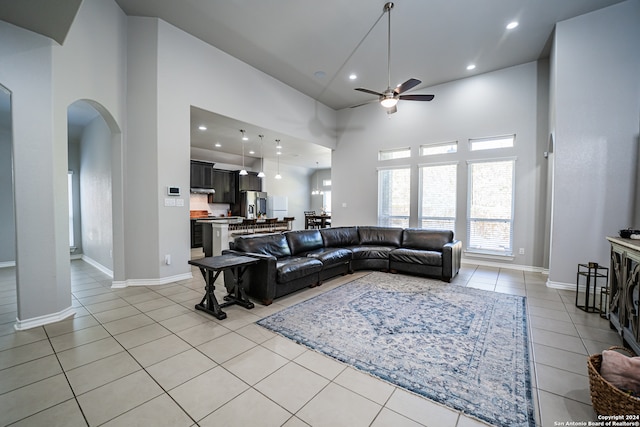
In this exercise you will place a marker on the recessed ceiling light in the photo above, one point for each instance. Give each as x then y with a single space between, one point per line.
252 152
471 67
512 25
217 144
319 74
352 76
202 127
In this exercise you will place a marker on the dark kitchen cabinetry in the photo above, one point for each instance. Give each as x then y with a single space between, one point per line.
201 174
196 234
225 186
249 182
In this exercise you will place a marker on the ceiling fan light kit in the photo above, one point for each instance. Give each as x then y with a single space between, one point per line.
390 97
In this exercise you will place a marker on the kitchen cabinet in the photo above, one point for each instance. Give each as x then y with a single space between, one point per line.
201 174
225 186
249 182
196 234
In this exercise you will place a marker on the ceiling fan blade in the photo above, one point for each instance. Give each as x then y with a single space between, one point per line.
392 109
361 89
417 97
409 84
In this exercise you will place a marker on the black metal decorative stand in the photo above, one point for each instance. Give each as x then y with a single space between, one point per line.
589 275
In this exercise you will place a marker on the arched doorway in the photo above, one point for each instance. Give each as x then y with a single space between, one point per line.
95 196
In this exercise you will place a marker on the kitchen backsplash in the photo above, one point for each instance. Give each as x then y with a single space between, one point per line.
198 202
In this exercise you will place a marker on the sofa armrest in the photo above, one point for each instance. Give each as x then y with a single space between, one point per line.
451 259
259 279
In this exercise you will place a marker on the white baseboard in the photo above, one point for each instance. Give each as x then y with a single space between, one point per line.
150 282
97 265
561 285
25 324
518 267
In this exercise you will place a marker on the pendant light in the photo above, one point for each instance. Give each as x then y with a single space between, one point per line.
317 189
278 176
261 173
244 138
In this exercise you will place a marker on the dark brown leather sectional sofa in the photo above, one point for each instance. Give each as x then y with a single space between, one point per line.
297 259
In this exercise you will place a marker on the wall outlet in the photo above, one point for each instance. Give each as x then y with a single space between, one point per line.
167 259
521 251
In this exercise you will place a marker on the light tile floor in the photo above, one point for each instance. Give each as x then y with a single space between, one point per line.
144 356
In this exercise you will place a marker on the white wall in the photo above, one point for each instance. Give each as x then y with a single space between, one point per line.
44 79
498 103
95 193
315 181
219 83
7 220
596 72
294 185
74 166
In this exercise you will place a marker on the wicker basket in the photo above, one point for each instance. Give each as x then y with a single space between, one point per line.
606 398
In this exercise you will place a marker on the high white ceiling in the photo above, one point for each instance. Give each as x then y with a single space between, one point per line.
432 41
313 46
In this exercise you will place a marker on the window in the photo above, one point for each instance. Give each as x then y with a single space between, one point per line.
396 153
492 142
394 197
437 207
70 190
326 183
326 202
439 148
490 206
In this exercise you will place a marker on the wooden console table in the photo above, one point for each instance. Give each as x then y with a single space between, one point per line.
624 287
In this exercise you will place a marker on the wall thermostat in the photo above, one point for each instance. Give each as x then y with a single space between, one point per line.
173 191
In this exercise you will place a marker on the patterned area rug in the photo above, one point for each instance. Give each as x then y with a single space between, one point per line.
465 348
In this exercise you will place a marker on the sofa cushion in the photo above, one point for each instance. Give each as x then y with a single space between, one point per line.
416 256
331 256
291 268
338 237
371 252
380 236
429 240
271 244
303 241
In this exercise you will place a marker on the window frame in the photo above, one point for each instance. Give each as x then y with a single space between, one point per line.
438 144
390 218
480 250
421 193
511 136
394 150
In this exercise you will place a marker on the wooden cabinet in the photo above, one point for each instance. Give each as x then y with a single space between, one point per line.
224 184
249 182
201 174
624 288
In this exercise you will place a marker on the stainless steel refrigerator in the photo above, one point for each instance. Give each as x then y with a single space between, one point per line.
253 203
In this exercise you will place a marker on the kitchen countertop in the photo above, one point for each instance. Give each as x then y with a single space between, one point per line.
222 219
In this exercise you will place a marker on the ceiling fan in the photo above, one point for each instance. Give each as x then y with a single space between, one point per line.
390 97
